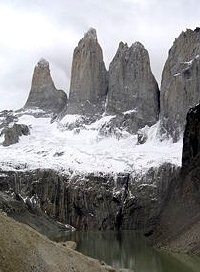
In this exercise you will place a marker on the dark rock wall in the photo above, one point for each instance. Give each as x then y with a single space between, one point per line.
94 201
191 139
178 227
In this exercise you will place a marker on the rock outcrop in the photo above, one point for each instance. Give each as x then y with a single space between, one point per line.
10 129
132 86
12 134
6 118
180 87
89 83
43 93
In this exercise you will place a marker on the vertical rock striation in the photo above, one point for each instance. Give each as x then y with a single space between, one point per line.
89 84
94 201
43 93
132 86
180 87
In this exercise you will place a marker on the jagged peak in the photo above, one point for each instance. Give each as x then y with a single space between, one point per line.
91 34
43 63
137 45
123 45
189 33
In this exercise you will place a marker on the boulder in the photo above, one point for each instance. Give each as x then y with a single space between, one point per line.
89 84
132 86
180 87
43 93
11 134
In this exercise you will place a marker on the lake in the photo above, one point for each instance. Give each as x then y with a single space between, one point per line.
129 250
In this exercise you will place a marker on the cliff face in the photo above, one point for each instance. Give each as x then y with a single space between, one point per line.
180 87
178 227
89 84
43 93
92 201
191 139
132 86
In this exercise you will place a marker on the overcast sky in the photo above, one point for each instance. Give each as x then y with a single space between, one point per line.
31 29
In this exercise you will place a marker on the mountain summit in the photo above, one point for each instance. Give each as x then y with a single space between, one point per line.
132 85
89 82
43 93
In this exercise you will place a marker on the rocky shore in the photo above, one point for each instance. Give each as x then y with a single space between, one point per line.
25 250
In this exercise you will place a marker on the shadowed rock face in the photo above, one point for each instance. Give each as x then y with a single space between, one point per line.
191 139
88 77
179 226
43 94
132 85
180 87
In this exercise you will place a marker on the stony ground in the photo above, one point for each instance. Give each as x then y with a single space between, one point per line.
24 250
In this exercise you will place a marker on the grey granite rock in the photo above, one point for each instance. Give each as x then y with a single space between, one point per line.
180 87
6 118
132 86
11 134
89 84
43 93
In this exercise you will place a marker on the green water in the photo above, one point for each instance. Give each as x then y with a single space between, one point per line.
129 250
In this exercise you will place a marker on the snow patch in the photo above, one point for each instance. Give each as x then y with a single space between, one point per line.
99 123
70 119
129 111
85 152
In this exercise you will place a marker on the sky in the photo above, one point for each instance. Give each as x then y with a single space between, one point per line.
34 29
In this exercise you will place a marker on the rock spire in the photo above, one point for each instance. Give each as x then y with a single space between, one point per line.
89 84
43 93
132 86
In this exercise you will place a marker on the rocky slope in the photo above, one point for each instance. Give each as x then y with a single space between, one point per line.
132 86
43 93
31 251
180 82
89 84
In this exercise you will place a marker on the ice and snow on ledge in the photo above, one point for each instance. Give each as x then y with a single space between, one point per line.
49 146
